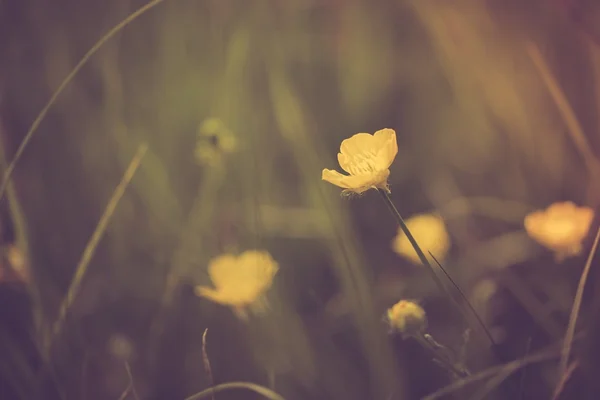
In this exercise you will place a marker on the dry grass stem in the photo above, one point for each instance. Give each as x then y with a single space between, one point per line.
92 244
206 362
504 370
253 387
36 123
573 126
566 350
564 379
131 384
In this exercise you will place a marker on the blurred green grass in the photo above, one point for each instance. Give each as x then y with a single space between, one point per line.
291 80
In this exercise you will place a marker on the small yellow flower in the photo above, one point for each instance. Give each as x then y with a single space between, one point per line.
408 318
431 235
240 281
214 141
367 159
562 227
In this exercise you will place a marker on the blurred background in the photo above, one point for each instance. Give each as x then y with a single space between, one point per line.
242 104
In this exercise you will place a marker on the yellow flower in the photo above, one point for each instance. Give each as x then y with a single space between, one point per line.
240 281
562 227
214 141
431 235
408 318
367 159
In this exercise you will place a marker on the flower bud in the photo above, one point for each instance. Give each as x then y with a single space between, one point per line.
408 318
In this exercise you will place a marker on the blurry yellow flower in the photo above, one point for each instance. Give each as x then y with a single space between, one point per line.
431 235
367 159
214 141
562 227
240 281
408 318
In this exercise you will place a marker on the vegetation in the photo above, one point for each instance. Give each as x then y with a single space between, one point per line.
174 222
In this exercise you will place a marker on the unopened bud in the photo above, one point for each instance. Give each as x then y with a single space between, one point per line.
408 318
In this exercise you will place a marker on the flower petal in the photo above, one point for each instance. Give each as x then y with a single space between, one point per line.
357 144
222 270
533 221
255 259
212 294
258 267
239 281
585 216
388 150
382 136
345 162
561 227
356 183
380 147
429 230
240 294
334 177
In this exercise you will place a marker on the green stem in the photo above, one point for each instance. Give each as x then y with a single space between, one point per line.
267 393
448 364
469 305
386 198
388 201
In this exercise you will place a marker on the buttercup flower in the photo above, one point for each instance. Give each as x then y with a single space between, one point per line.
562 227
408 318
240 281
367 159
431 235
214 141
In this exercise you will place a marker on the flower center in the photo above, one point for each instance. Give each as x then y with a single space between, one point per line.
363 163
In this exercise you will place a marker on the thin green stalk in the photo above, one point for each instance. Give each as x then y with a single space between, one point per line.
568 342
441 358
267 393
38 120
492 372
388 201
464 297
92 244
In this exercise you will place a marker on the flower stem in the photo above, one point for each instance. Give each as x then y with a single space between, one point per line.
388 201
441 358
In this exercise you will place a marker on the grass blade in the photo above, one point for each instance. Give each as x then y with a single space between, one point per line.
92 244
38 120
566 349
